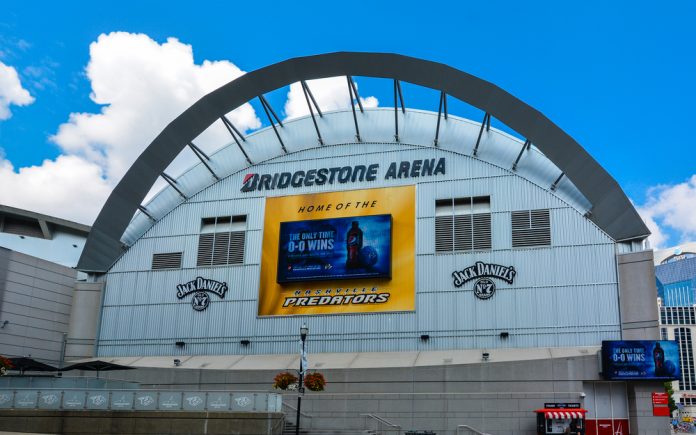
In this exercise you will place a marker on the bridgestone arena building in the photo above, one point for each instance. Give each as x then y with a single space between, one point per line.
450 272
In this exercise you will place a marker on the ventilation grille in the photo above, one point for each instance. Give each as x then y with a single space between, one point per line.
218 249
531 228
169 260
444 233
457 228
22 227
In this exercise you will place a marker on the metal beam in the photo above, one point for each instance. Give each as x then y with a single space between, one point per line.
266 108
486 123
355 93
144 211
305 86
45 229
172 182
443 100
311 112
396 113
526 146
555 183
234 133
352 106
203 157
400 97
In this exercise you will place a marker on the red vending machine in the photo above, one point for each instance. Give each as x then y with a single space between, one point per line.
561 418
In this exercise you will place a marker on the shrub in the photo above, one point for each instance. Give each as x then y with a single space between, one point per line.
283 380
5 364
315 381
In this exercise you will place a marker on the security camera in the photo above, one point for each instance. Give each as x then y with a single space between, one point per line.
583 395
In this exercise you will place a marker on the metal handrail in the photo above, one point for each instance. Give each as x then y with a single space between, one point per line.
381 420
295 409
473 429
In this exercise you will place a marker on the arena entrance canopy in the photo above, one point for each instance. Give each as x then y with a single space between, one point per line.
609 208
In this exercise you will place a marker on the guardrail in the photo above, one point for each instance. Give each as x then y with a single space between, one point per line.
287 405
389 426
463 427
139 400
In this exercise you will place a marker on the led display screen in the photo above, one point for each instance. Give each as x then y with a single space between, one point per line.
338 248
639 359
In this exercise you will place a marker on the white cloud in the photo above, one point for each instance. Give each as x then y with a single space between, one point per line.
11 91
657 236
330 93
69 187
143 86
672 206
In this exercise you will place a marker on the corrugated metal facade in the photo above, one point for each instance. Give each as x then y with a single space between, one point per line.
563 295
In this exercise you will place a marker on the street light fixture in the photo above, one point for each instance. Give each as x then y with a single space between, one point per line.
304 331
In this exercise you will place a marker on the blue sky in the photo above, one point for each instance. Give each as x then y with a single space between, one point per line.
618 77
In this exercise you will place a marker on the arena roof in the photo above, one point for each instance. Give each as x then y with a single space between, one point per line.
607 205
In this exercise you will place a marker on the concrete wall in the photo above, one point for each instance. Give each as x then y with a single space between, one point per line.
35 300
640 408
84 320
143 422
495 397
638 293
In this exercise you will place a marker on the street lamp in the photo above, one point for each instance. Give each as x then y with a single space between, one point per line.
304 331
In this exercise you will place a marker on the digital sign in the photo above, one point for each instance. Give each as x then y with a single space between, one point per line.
351 251
638 359
338 248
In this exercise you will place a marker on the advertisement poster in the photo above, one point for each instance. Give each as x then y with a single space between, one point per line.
638 359
339 248
339 252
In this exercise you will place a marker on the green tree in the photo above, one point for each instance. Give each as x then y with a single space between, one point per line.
670 391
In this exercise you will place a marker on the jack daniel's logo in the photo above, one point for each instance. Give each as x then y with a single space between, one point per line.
484 288
200 287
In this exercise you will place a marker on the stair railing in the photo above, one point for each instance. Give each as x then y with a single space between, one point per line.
390 427
461 427
295 410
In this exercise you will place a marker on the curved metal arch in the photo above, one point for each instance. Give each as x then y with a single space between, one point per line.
612 211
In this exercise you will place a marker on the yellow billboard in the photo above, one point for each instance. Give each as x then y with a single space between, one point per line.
339 252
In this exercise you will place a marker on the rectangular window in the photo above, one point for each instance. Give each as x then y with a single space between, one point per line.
463 224
531 228
686 355
222 241
168 260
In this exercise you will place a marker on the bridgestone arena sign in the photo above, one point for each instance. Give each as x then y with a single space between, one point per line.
342 175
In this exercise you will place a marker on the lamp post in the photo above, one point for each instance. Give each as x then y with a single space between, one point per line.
304 330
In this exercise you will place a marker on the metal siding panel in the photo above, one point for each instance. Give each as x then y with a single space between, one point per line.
580 274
